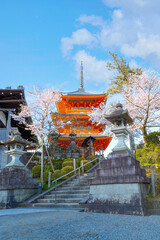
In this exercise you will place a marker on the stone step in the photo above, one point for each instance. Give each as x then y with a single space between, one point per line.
58 205
70 191
60 200
65 196
77 182
76 185
73 188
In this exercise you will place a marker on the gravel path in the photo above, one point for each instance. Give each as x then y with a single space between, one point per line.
67 225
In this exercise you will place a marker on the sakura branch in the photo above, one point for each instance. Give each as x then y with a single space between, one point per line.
141 97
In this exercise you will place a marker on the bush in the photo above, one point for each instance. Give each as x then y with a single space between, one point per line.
49 168
67 163
57 164
157 185
66 170
45 176
78 161
68 160
87 167
36 171
91 158
57 174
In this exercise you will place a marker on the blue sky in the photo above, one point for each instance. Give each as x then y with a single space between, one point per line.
43 42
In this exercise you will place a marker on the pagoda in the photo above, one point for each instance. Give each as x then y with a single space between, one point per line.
73 110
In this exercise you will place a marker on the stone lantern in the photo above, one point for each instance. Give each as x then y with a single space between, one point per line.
120 118
72 136
16 144
120 185
17 182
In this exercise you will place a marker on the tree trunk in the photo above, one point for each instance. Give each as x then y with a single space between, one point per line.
145 136
42 157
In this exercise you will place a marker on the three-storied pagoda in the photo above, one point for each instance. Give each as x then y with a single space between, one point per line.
73 110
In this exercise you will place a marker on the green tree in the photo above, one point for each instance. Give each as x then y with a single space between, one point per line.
149 155
153 137
123 72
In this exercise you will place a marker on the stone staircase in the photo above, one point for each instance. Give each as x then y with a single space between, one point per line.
68 195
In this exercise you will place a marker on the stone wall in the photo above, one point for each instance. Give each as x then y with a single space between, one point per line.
16 186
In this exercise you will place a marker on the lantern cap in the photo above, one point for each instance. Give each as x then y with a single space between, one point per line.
16 138
119 115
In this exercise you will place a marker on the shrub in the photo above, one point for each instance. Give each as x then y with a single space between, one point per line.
66 170
78 161
91 158
157 185
45 176
68 160
87 166
57 164
49 168
67 163
57 174
36 171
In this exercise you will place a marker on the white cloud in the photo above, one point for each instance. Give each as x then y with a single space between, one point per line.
94 70
132 29
117 14
92 19
80 37
143 47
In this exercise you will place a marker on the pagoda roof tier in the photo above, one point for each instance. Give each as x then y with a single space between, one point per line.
80 103
82 92
80 123
101 141
72 115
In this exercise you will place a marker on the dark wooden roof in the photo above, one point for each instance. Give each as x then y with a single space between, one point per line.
11 98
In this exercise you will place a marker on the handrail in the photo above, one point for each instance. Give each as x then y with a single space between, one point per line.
74 170
34 199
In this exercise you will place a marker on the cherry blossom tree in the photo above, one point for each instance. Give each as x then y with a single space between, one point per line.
41 103
141 97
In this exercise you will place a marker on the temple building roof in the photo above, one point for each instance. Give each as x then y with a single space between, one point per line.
80 92
12 98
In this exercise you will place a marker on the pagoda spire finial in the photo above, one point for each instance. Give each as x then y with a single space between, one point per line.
81 77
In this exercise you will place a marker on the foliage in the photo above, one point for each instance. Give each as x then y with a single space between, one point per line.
91 158
57 173
57 164
36 171
66 170
67 163
149 155
141 98
153 137
42 103
48 168
124 71
87 167
45 176
157 185
68 159
78 161
39 109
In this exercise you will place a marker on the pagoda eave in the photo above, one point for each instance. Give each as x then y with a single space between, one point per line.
101 141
